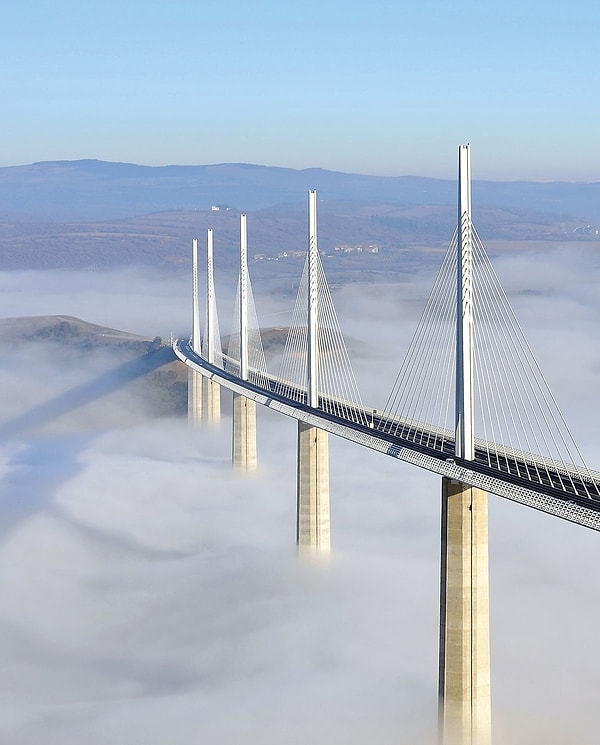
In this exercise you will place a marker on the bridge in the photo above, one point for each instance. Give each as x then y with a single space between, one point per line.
470 403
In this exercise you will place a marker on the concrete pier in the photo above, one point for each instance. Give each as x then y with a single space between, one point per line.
464 664
212 402
313 522
244 434
194 397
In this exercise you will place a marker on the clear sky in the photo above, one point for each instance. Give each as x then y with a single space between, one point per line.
384 87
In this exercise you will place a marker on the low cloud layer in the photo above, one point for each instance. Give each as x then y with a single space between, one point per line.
150 595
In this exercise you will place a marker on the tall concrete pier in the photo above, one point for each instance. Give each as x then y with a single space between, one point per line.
464 674
244 434
313 517
195 386
211 402
464 661
313 521
244 410
195 378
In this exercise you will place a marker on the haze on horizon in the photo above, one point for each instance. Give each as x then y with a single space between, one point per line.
383 88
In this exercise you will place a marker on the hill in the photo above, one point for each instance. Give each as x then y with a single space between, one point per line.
69 331
147 367
92 214
353 236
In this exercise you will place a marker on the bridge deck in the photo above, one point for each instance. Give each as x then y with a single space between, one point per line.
562 492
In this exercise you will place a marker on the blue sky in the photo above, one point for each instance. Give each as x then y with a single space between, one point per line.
385 87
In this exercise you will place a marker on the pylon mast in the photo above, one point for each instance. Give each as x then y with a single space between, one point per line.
313 308
464 444
210 299
196 346
243 297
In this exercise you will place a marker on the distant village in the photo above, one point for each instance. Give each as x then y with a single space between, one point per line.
337 251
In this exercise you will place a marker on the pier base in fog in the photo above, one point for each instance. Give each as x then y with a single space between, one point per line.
464 664
313 521
244 433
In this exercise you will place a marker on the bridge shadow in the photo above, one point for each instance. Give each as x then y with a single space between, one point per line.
110 381
47 461
34 473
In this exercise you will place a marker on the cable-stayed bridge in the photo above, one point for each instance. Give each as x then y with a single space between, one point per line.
469 403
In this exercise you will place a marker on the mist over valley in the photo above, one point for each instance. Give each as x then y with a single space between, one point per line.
151 595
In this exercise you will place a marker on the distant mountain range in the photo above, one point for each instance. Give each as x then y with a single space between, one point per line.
93 190
91 214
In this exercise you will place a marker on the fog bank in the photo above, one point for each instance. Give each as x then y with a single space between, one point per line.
150 595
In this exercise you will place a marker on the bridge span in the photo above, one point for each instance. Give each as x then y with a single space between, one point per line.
470 404
560 498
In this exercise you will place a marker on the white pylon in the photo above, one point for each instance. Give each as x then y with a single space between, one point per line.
464 443
210 298
196 344
313 309
212 390
194 377
243 297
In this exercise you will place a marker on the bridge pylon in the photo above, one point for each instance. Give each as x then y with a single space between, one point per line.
312 497
244 456
195 384
464 654
212 390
